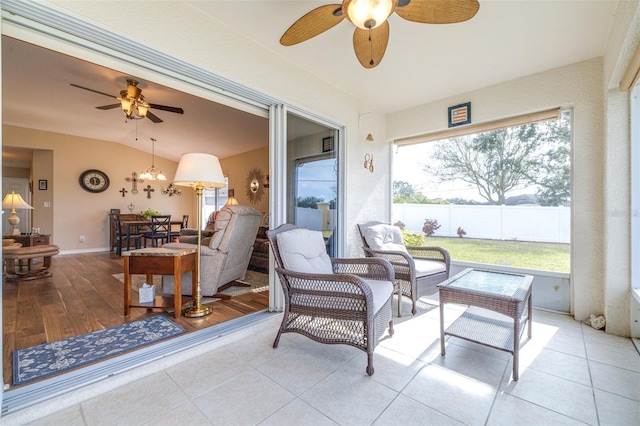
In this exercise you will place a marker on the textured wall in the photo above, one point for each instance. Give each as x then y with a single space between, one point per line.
578 86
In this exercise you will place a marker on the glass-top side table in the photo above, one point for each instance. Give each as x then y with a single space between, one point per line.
505 293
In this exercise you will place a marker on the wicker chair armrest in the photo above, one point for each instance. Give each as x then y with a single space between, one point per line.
334 288
430 253
396 258
372 268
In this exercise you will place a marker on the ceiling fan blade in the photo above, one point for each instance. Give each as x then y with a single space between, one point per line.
105 107
167 108
438 11
151 116
312 24
370 45
94 91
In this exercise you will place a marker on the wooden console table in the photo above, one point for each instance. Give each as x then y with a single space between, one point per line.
30 240
159 261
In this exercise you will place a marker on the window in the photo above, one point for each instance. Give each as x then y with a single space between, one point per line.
500 195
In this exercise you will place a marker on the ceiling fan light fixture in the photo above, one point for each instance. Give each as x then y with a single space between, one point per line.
143 108
368 14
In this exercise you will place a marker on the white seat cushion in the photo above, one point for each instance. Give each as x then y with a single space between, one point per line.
384 237
381 291
303 250
428 267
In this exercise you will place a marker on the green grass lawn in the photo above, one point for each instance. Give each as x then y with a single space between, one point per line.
543 256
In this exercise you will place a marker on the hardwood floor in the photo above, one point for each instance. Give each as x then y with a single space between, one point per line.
82 296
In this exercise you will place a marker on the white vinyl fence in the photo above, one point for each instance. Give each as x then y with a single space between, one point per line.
522 223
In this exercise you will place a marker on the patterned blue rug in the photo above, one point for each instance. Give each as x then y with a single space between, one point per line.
56 357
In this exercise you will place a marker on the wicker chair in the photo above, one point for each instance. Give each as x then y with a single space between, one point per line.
418 270
334 301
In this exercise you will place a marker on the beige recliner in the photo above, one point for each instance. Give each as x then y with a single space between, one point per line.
225 254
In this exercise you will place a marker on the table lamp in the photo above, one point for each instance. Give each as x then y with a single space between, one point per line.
14 201
200 172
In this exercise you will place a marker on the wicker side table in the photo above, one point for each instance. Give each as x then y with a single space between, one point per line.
505 293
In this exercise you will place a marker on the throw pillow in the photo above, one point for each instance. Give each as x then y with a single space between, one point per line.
303 250
384 237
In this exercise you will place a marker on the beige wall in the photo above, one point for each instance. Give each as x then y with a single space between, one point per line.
237 169
60 159
74 211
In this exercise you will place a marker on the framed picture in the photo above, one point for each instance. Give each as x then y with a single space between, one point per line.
327 144
42 185
460 114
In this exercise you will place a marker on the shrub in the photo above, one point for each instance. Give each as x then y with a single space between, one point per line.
430 226
411 239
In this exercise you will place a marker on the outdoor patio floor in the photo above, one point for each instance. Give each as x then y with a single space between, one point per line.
570 373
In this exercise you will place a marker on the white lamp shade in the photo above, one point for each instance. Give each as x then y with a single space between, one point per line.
197 169
15 201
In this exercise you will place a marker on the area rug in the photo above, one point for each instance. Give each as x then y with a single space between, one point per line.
56 357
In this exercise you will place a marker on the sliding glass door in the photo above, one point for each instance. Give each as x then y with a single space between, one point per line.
313 178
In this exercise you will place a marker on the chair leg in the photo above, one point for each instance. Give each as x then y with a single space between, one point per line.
391 331
370 369
281 329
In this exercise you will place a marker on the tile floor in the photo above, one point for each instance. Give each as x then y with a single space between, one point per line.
569 374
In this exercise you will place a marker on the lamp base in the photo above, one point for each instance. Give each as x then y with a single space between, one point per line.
14 231
197 311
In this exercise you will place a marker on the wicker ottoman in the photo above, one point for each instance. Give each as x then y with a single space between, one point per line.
19 261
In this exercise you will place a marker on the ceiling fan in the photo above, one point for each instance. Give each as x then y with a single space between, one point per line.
133 104
370 18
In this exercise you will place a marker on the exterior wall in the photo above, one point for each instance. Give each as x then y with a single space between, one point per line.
622 44
578 86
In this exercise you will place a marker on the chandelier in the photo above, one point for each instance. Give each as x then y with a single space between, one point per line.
152 173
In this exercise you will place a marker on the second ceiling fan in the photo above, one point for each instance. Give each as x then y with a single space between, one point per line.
133 104
370 18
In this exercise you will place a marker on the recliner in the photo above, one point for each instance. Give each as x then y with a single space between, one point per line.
225 254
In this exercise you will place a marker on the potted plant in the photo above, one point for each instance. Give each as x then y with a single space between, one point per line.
148 213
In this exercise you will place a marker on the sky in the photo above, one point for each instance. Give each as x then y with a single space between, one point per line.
318 179
408 162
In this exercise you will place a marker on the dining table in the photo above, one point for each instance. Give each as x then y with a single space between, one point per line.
136 226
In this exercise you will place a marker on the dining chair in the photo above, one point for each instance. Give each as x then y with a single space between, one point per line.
159 231
121 237
183 225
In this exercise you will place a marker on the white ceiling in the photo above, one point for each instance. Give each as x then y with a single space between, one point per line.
507 39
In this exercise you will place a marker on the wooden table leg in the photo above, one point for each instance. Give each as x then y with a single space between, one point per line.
127 287
177 289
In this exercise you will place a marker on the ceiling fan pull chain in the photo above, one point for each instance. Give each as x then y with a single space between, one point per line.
370 47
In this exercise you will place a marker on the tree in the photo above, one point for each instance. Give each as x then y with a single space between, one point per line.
503 160
553 174
309 202
403 192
